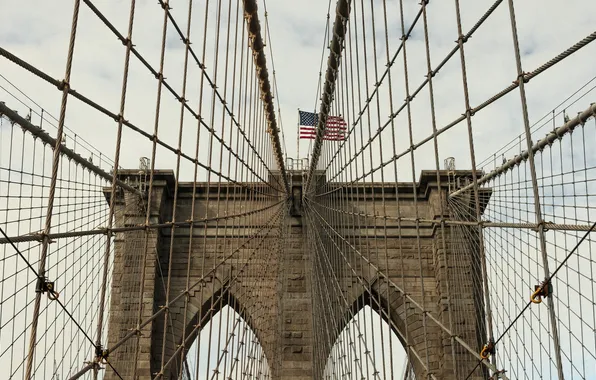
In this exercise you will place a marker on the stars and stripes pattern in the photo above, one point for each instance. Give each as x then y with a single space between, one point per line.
335 128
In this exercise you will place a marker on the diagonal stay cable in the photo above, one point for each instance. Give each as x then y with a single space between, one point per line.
228 284
139 227
431 74
45 116
212 84
194 285
69 153
55 296
394 285
527 76
541 287
59 84
556 134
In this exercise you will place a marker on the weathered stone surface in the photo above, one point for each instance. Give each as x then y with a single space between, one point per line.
267 280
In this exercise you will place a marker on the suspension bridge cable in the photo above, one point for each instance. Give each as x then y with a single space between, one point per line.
382 262
53 295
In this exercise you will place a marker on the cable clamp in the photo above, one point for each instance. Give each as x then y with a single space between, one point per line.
545 289
543 225
63 85
127 42
469 112
119 118
521 76
101 354
488 349
45 286
462 38
136 331
39 235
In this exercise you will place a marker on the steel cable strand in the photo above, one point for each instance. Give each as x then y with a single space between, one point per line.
411 349
545 283
137 330
228 285
336 283
432 73
196 283
407 296
55 295
52 189
181 99
222 99
105 111
527 76
112 199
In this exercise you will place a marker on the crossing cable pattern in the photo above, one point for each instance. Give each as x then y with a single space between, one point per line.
446 272
117 273
84 206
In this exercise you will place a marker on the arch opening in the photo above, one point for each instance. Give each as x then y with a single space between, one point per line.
368 348
226 348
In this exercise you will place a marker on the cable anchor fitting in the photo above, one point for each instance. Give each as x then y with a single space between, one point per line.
62 85
545 289
488 349
101 354
45 286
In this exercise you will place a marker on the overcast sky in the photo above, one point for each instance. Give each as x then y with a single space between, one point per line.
38 32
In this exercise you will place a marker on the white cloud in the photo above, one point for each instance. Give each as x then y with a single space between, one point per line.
38 33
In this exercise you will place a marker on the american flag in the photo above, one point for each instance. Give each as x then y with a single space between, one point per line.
335 128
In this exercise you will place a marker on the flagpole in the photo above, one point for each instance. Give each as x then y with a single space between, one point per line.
298 135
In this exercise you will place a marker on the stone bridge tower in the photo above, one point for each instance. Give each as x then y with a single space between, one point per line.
281 312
